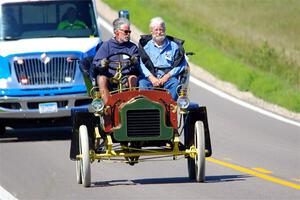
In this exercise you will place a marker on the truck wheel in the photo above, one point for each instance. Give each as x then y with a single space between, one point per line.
2 130
85 162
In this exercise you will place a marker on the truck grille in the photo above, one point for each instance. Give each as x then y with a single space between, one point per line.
58 71
143 123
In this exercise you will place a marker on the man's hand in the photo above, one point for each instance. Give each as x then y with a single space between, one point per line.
104 63
155 81
133 60
164 79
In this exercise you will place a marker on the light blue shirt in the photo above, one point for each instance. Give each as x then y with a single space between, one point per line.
162 57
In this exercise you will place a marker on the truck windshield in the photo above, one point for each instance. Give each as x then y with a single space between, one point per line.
47 19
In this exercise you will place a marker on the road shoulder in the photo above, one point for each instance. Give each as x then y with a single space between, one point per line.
201 74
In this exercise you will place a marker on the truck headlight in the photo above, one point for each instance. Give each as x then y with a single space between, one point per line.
97 105
183 102
4 82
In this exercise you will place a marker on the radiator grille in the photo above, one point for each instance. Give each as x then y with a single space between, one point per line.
58 71
143 123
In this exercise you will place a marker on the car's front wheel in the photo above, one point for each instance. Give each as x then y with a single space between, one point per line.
78 172
199 141
85 163
196 166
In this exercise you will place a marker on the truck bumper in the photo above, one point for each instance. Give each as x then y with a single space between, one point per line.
28 107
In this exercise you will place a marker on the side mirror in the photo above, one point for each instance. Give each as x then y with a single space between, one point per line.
124 14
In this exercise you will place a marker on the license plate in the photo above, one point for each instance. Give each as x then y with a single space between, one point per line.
48 107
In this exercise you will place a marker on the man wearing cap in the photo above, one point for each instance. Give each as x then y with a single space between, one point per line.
119 44
162 58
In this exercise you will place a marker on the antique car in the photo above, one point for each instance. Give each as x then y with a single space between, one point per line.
140 125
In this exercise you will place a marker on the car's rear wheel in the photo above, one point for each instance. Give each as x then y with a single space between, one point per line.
85 163
196 166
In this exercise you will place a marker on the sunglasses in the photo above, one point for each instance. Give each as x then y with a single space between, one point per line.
125 31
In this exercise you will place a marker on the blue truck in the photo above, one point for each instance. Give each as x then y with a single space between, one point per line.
40 77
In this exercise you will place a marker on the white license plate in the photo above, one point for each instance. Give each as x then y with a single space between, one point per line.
48 107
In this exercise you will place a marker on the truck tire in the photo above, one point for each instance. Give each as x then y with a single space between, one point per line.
2 129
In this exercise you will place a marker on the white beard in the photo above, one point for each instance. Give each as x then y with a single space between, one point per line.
159 39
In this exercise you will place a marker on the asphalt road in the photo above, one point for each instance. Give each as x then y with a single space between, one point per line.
35 163
254 157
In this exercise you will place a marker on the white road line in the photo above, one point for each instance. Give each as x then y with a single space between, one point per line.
224 95
106 25
5 195
242 103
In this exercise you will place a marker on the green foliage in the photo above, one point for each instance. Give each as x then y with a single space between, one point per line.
253 44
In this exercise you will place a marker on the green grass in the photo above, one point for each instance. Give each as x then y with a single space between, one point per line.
253 44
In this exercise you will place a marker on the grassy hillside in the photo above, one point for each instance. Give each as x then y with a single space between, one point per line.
254 44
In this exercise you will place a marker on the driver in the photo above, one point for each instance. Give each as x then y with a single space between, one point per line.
119 44
71 22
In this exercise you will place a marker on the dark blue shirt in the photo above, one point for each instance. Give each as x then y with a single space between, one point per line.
112 47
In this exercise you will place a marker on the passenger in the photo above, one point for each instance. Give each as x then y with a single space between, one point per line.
162 58
119 43
71 21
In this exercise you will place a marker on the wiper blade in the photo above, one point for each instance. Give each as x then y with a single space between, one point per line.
68 36
11 38
53 36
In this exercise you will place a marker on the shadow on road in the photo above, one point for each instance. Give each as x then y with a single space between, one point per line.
174 180
226 178
36 134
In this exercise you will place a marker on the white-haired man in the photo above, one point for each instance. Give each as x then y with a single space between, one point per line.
162 58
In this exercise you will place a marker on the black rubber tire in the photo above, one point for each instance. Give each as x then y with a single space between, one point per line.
2 130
